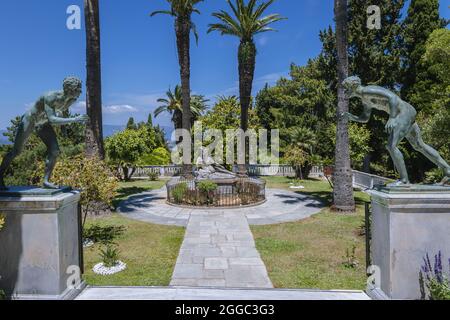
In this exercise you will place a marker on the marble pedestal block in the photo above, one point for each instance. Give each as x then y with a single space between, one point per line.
40 243
408 223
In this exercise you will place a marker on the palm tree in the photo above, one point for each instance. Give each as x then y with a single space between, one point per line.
94 129
343 186
173 105
182 11
246 23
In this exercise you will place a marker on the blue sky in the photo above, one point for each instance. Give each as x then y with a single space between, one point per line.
139 61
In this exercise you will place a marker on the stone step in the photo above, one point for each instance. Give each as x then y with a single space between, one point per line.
189 293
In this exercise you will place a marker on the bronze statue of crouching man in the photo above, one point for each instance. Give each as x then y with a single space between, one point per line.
401 124
40 118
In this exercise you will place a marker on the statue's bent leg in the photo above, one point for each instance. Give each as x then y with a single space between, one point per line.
48 136
24 130
415 139
398 134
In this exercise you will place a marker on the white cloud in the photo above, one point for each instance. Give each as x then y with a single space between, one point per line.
116 109
79 107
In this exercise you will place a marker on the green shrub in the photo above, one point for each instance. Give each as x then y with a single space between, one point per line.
179 192
109 255
89 175
105 235
434 176
207 186
206 189
153 176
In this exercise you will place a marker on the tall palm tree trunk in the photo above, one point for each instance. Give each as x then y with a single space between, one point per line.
94 129
343 187
247 62
183 29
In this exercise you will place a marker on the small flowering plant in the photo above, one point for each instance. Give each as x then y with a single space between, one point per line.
434 284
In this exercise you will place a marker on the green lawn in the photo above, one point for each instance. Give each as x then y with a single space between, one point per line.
150 251
311 253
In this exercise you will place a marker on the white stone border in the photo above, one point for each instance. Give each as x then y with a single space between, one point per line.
100 268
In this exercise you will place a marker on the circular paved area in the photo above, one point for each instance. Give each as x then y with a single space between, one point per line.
281 206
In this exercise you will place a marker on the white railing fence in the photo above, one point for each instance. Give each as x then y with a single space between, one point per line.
364 180
361 180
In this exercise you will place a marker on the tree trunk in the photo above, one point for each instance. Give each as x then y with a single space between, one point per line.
343 186
94 129
183 31
247 62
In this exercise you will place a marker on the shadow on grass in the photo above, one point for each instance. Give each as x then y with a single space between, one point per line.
124 193
142 201
323 192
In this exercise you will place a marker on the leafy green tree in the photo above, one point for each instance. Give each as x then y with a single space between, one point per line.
422 19
125 149
247 22
181 11
297 158
301 102
436 125
158 157
225 114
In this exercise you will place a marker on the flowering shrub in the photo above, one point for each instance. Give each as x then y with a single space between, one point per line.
434 284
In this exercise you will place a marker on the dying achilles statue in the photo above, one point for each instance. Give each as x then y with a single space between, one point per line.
39 118
207 168
401 124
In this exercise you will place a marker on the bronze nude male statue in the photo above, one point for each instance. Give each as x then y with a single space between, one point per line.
401 124
40 118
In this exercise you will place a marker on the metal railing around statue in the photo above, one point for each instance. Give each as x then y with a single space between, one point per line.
219 194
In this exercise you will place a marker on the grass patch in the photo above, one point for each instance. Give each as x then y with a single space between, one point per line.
311 253
150 252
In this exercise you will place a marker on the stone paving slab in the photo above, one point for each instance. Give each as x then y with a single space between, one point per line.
281 206
216 294
213 255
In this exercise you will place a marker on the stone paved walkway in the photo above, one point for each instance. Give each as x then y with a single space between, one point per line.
281 206
219 251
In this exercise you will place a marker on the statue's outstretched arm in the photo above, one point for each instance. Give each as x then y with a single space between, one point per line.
55 120
363 118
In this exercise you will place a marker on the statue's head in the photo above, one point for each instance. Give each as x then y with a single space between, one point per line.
72 87
351 84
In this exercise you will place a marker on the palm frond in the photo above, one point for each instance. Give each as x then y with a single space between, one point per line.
247 21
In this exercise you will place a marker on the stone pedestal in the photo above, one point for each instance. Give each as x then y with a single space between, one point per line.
40 241
408 223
